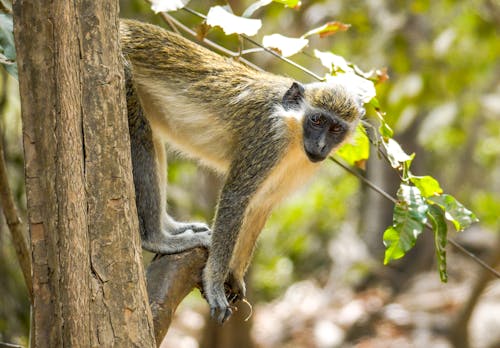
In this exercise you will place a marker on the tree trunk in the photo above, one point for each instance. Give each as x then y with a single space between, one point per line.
88 279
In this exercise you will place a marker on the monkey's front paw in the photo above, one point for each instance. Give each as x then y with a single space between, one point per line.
235 288
220 309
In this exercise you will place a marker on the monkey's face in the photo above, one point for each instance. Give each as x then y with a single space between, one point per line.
329 115
322 133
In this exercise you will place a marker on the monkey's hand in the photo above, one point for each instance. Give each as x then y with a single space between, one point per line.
213 290
220 296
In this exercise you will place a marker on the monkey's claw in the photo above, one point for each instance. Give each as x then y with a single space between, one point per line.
235 289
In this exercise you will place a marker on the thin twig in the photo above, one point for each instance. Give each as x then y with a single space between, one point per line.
170 23
277 55
459 247
14 223
387 196
365 180
209 43
252 50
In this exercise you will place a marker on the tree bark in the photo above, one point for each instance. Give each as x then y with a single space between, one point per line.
88 282
170 279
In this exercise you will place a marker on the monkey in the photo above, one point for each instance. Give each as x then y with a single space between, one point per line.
266 134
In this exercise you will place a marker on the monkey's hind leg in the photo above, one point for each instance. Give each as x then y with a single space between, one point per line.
159 232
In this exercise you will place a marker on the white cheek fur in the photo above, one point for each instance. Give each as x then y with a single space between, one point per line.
296 114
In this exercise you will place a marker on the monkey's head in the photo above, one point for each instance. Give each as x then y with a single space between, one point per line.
329 114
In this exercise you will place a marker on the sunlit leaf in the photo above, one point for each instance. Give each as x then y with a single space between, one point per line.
381 75
7 48
436 218
427 185
327 29
295 4
456 212
362 88
333 62
285 45
408 222
167 5
357 150
385 130
375 103
395 153
343 72
377 75
232 24
393 249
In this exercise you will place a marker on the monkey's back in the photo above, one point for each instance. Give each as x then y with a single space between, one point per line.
178 62
185 88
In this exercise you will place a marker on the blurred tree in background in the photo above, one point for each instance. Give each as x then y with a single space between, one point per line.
322 249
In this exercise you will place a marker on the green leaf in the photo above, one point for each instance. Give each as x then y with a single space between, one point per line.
455 211
396 155
409 219
375 103
427 185
357 150
7 48
394 250
334 63
436 217
385 131
295 4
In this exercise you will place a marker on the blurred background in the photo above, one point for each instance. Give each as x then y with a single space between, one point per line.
318 278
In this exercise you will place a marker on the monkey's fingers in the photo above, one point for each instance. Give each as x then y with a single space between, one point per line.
223 314
220 309
227 313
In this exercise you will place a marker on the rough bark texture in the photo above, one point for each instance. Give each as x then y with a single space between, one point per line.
170 279
88 282
173 277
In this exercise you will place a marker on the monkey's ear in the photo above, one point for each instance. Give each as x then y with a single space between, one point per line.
293 96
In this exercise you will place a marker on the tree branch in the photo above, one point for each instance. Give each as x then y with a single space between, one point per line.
16 227
169 279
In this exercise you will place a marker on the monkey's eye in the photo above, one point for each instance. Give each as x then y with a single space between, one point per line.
336 127
317 120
